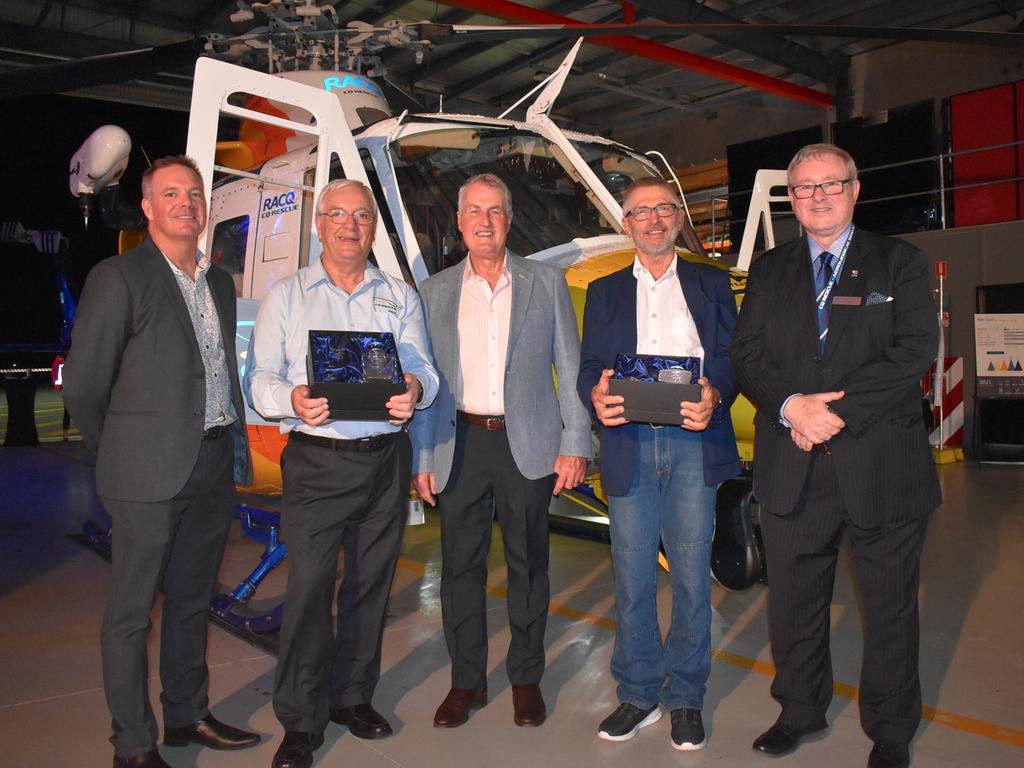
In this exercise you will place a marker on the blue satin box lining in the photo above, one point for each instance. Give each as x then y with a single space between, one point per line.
338 356
646 367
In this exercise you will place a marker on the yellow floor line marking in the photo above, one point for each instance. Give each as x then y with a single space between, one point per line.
1004 733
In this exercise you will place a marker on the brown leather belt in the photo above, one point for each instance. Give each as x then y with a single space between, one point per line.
362 445
487 422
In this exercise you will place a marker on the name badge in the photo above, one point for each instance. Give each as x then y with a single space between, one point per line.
847 301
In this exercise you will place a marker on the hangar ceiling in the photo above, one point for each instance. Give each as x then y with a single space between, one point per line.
614 78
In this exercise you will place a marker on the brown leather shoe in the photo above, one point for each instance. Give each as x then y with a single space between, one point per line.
528 705
454 710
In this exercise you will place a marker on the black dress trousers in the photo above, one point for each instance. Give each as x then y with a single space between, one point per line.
485 485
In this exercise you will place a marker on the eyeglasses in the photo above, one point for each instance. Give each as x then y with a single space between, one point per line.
663 211
803 191
338 215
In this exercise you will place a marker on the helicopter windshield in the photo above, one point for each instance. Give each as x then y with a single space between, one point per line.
551 205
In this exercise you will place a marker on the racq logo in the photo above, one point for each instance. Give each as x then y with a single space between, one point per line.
278 204
352 81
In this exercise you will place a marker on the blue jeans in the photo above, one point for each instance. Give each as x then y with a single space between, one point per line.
668 500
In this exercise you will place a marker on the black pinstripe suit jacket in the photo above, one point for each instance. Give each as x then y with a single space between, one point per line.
875 353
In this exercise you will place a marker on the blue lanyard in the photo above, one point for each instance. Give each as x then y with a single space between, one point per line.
837 270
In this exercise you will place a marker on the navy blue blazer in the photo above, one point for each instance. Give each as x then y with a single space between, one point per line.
609 327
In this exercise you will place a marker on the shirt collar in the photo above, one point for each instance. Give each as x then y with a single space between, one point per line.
840 241
202 265
639 270
315 274
468 272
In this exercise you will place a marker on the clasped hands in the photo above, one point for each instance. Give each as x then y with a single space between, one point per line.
696 416
811 420
314 411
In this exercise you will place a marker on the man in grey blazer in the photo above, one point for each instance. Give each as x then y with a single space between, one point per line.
497 442
152 383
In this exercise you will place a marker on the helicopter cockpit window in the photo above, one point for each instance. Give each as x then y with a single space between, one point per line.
616 167
550 206
228 250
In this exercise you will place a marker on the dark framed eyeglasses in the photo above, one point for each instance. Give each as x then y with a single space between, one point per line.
338 215
643 212
803 191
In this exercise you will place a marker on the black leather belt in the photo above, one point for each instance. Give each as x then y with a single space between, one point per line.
363 444
215 432
487 422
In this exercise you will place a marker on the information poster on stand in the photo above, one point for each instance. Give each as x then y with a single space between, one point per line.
999 343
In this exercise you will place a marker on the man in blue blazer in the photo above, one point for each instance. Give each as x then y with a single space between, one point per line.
661 480
498 440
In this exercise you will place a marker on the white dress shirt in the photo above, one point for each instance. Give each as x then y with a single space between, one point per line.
484 319
308 300
664 325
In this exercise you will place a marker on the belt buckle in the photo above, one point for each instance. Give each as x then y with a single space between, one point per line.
494 424
652 425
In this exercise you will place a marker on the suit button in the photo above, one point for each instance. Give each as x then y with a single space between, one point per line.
453 423
826 370
198 413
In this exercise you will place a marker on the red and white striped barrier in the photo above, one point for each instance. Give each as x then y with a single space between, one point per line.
947 427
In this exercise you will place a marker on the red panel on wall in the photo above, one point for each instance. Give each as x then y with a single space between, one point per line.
979 119
1018 89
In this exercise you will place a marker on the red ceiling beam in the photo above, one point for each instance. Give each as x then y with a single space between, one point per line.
664 54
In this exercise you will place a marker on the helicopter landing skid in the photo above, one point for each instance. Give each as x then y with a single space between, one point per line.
229 610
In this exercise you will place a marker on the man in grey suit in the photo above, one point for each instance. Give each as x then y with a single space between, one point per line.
151 382
497 442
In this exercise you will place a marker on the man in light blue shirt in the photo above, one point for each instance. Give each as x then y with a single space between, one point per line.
346 483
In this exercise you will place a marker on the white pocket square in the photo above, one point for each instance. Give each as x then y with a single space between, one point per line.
877 298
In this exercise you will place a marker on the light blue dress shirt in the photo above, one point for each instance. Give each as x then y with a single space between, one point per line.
308 300
816 251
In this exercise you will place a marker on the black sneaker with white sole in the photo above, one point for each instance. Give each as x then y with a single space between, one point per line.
687 729
626 721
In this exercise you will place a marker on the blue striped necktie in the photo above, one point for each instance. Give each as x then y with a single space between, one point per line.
822 274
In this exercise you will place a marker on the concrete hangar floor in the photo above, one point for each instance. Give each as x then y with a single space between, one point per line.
53 592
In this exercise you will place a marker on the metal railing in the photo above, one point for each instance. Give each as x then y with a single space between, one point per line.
943 161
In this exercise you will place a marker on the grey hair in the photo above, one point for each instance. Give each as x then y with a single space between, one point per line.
334 186
816 151
489 180
651 181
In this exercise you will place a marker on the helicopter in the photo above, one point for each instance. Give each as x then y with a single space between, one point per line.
267 143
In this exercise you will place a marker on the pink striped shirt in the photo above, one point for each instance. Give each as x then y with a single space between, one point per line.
484 319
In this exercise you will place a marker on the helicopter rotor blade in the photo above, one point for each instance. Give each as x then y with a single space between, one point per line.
98 70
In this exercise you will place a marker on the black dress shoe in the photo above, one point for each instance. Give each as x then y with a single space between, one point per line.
296 750
363 721
210 732
151 759
887 755
781 739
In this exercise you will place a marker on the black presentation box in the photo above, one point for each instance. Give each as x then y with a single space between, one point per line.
336 368
648 400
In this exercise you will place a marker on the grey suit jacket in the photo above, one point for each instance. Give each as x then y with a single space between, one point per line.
134 380
541 423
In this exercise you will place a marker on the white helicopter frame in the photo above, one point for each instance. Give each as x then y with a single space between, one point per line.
210 93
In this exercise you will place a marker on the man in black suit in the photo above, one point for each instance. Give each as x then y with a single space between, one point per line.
835 332
152 383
